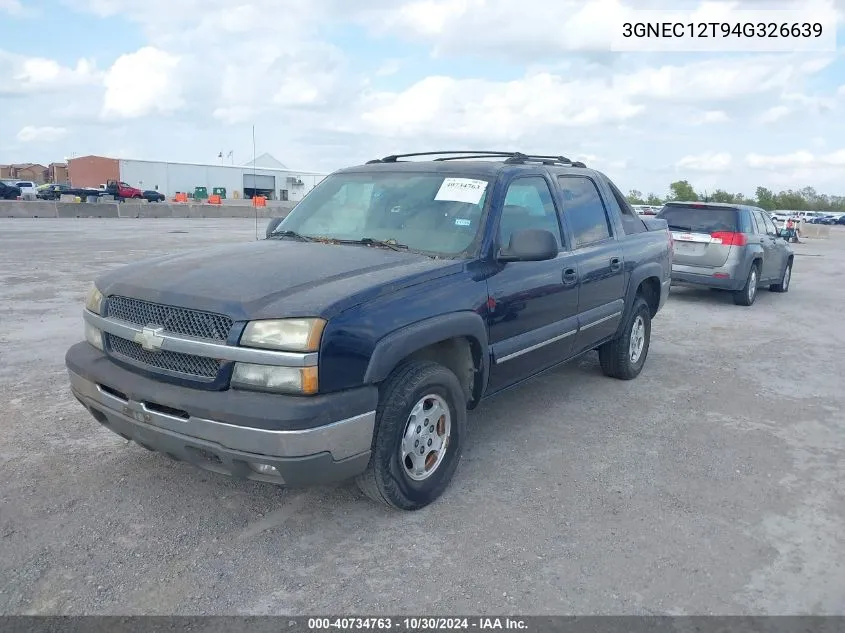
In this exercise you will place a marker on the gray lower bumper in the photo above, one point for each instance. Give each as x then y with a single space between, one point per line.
321 454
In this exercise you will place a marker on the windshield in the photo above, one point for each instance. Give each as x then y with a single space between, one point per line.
433 213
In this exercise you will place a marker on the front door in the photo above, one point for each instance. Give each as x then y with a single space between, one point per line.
532 305
600 261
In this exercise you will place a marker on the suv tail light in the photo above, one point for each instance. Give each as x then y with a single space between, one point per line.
730 239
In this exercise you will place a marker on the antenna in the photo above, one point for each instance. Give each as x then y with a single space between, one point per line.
254 190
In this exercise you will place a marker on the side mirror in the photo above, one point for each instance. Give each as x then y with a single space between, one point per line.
271 226
529 245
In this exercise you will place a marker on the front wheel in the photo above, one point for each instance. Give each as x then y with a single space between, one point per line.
418 438
783 285
624 356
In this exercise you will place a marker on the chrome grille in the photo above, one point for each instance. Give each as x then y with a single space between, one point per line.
207 325
188 364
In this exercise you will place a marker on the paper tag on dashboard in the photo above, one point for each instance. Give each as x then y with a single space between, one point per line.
461 190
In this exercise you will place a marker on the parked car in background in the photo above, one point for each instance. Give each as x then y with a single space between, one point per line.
9 192
153 196
28 188
395 296
725 246
645 209
52 191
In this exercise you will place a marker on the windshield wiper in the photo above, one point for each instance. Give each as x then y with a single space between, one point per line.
688 229
299 236
369 241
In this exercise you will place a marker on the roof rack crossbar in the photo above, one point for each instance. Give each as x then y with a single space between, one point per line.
394 157
512 158
470 156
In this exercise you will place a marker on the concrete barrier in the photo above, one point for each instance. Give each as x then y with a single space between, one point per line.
816 231
85 210
104 209
40 209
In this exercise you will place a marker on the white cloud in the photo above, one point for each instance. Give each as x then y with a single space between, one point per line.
774 114
142 83
36 134
707 162
498 111
799 159
21 75
390 67
711 116
12 7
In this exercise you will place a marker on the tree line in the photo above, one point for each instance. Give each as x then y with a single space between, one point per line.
806 199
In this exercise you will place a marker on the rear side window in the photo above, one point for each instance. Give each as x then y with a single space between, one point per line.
631 222
584 210
700 219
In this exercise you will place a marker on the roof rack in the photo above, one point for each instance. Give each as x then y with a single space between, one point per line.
511 158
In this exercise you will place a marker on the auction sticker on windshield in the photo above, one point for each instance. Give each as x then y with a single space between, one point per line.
461 190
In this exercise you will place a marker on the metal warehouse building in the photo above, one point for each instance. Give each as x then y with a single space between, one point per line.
266 177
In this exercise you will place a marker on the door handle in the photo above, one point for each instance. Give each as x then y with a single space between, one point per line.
570 276
615 264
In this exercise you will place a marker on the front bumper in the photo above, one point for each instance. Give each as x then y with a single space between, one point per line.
308 440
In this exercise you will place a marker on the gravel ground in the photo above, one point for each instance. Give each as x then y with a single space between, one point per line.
712 484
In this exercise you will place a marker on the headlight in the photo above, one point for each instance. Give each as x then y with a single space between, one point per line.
290 335
94 336
297 380
94 301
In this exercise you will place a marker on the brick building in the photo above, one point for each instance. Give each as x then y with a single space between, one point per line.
25 171
57 172
92 171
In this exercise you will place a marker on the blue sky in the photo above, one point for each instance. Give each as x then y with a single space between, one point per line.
328 83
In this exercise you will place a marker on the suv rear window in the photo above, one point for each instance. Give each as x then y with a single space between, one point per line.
699 219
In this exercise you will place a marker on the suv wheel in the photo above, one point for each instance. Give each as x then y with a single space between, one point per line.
783 286
624 356
418 438
748 293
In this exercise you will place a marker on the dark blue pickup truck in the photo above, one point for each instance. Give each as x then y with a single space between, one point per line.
351 342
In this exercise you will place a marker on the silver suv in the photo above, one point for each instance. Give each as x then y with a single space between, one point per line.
729 247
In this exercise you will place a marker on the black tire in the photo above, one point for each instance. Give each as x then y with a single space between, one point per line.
785 279
615 355
748 293
385 479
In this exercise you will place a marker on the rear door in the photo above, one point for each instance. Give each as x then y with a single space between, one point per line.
703 234
601 265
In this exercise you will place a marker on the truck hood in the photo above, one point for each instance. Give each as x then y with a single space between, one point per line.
274 278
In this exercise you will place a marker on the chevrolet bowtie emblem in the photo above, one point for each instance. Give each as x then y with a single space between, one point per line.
150 339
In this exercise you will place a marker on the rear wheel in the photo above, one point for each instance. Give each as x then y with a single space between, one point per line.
748 293
418 438
783 285
624 357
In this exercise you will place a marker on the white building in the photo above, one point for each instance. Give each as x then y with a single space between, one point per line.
267 177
